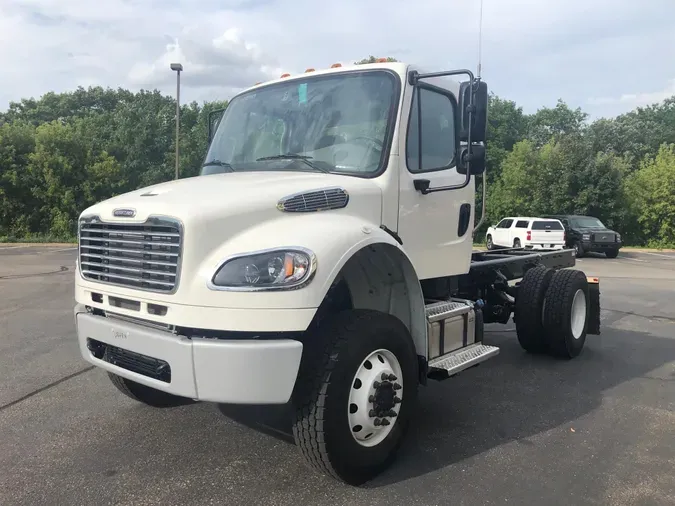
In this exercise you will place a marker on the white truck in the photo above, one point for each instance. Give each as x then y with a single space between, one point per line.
323 258
524 232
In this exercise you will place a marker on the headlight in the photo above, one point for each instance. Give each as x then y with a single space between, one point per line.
280 269
618 237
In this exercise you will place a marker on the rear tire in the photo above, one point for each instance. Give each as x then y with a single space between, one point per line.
528 309
566 313
146 395
336 390
516 243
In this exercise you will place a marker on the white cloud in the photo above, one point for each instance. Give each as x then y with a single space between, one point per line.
533 52
637 99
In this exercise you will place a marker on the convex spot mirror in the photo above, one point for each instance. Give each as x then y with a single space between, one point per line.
476 159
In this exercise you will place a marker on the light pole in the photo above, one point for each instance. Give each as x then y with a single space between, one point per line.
178 68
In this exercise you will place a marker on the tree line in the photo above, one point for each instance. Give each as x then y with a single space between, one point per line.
65 151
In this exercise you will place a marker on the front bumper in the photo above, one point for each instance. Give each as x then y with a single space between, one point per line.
246 371
599 247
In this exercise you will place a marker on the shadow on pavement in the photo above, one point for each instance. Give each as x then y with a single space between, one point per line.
509 398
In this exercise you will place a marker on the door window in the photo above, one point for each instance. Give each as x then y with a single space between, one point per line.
438 132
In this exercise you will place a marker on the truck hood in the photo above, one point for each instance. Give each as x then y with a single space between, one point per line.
215 209
235 194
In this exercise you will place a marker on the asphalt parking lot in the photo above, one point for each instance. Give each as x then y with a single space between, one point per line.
524 430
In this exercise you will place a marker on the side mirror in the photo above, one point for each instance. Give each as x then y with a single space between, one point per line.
476 159
479 121
214 121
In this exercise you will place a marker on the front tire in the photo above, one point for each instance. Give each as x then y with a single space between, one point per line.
489 244
578 250
359 370
612 253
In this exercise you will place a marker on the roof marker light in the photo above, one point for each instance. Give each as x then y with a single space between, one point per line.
309 70
336 65
285 75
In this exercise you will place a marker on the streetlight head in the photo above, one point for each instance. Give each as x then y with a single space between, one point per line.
177 66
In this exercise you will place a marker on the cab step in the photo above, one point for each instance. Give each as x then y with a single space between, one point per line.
452 363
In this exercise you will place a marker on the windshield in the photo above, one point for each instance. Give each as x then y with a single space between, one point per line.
331 123
587 223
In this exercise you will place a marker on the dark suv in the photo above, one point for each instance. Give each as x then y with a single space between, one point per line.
585 233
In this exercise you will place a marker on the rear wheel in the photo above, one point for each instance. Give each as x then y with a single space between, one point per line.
528 309
566 312
355 394
516 243
146 395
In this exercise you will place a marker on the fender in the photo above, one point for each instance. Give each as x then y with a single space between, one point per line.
333 238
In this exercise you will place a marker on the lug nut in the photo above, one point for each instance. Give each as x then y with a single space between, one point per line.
397 400
392 377
377 384
391 412
386 422
372 413
377 422
371 398
397 386
384 376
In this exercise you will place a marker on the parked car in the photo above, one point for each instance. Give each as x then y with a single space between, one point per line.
524 232
586 234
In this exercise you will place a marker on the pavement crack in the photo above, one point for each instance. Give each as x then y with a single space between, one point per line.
650 317
61 270
46 387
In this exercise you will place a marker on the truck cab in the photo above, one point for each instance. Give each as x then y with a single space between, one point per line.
322 258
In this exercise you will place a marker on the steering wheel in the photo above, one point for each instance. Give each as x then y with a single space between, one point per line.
375 141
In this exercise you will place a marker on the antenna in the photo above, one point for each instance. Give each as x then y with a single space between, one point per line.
480 39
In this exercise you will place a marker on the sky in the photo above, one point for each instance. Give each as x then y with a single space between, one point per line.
605 56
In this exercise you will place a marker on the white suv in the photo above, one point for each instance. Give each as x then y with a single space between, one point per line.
523 232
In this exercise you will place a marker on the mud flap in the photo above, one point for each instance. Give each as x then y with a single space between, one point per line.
594 306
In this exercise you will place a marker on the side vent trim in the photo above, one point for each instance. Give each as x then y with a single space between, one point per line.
325 199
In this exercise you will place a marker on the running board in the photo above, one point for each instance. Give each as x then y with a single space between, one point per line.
457 361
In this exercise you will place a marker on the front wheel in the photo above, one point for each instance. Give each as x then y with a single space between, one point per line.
578 250
612 253
488 243
355 394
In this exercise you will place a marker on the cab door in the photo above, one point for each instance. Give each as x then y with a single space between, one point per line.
436 228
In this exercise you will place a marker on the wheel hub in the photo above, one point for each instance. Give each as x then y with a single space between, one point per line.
375 397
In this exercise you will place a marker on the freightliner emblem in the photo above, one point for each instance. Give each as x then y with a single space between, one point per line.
124 213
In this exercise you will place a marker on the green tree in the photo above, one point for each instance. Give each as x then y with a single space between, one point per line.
651 192
373 59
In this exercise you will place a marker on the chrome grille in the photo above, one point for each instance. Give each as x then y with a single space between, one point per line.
318 200
145 256
603 237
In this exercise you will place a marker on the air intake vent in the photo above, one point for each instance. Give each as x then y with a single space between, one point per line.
318 200
145 256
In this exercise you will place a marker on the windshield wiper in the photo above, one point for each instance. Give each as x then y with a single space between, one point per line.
218 163
293 156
